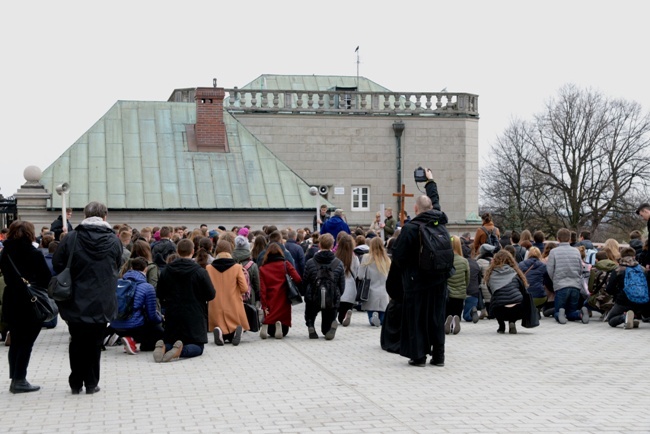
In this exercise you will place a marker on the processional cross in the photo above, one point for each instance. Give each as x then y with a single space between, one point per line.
402 195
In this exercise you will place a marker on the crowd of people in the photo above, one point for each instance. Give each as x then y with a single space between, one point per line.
165 290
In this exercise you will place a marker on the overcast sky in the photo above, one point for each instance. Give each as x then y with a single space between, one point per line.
65 63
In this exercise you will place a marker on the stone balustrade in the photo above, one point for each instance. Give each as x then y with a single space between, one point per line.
351 102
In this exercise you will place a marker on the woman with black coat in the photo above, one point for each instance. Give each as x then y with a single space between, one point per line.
24 328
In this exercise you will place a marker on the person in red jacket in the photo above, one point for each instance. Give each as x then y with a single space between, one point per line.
273 292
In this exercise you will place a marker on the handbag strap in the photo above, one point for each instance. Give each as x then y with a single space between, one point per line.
74 245
25 281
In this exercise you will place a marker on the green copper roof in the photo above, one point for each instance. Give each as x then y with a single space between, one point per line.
136 157
313 82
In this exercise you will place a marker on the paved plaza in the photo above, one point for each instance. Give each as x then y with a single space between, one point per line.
557 379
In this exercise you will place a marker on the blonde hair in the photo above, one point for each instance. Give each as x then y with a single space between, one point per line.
612 248
378 255
534 252
455 245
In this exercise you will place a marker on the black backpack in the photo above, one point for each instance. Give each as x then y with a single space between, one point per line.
436 253
492 239
324 290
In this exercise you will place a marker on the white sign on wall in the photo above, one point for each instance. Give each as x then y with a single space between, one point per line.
339 191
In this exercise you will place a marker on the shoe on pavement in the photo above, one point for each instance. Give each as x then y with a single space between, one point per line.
218 336
584 315
22 386
501 329
448 322
456 325
332 331
375 319
561 316
264 331
512 328
174 353
312 333
236 339
635 324
112 340
347 319
130 346
278 330
159 351
629 319
437 362
474 313
483 314
418 362
92 390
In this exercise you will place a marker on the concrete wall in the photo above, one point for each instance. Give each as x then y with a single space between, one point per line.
343 151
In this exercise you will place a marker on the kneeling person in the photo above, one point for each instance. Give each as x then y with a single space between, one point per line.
139 321
184 289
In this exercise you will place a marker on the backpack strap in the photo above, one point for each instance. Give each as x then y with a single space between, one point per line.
248 265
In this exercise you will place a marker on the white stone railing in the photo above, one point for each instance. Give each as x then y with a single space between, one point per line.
340 102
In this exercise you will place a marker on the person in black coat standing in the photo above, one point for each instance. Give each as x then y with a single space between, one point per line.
96 262
57 225
184 289
21 258
425 294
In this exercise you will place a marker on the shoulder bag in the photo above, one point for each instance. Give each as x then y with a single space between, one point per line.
363 287
44 308
60 286
293 293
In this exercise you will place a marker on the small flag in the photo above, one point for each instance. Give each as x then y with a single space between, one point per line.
356 49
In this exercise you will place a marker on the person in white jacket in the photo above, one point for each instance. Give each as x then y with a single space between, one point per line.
345 252
375 266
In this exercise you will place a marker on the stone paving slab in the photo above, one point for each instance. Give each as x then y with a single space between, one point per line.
572 379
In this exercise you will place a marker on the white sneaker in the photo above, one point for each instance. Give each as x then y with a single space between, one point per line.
629 319
585 315
264 334
561 316
278 330
375 319
347 319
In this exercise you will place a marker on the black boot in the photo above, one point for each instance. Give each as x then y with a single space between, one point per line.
22 386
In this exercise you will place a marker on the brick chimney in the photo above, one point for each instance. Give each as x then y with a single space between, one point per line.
209 129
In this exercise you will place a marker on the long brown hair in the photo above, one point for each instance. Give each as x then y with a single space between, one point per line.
141 249
345 251
258 246
501 258
273 249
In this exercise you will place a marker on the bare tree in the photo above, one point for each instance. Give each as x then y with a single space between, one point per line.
582 157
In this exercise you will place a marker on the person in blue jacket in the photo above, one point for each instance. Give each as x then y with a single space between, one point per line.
335 225
144 326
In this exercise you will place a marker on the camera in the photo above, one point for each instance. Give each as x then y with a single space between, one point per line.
420 175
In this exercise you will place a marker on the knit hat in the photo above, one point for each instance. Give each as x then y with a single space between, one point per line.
486 248
243 232
156 236
241 242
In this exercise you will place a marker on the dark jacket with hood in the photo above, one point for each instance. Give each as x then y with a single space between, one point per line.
323 257
16 308
161 249
96 262
184 288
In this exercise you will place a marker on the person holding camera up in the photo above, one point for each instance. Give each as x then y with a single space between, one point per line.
425 283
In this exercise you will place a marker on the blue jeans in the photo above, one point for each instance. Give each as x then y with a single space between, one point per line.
188 351
567 298
381 316
470 302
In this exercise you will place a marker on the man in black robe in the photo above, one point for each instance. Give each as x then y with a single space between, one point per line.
425 294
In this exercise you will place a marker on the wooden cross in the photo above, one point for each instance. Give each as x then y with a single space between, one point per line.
402 212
